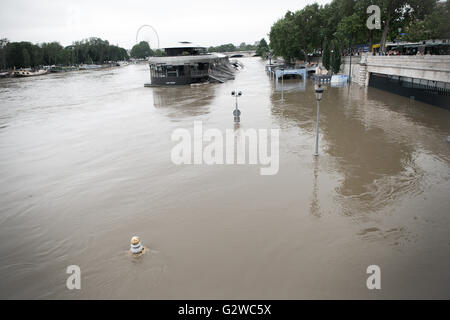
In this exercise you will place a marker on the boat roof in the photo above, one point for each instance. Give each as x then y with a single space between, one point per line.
184 44
179 60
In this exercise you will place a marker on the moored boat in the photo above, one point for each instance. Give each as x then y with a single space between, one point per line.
6 74
62 69
89 66
29 72
185 64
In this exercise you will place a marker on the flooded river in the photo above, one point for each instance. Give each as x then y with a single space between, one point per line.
85 164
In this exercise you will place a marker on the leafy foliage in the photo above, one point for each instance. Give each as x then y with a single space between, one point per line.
229 47
335 57
263 48
141 50
434 26
26 54
304 32
326 59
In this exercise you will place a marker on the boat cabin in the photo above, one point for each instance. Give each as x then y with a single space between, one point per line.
183 64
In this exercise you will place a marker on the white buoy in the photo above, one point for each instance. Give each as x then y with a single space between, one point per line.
136 246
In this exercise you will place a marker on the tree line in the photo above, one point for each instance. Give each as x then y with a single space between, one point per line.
229 47
342 24
261 48
142 50
26 54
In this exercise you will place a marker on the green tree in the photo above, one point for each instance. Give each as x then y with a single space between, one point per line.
304 31
18 54
3 43
350 30
63 57
398 13
26 59
26 54
37 57
331 14
160 53
283 38
229 47
50 52
262 48
141 50
326 59
434 26
335 56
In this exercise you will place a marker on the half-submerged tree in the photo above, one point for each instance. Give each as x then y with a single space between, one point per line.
335 57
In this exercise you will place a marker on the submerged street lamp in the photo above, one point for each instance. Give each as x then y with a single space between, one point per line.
270 55
282 84
236 112
319 92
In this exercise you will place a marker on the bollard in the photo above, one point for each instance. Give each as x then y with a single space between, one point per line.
136 247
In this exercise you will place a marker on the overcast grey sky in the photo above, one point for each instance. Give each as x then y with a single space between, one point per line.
200 21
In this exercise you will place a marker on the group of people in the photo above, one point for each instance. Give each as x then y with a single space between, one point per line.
396 52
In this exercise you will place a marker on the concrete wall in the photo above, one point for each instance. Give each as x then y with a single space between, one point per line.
356 69
436 68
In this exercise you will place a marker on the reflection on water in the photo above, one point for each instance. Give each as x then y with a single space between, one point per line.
375 146
315 207
85 164
290 85
184 101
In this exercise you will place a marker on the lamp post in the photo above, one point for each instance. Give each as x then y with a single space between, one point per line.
319 91
270 55
351 53
236 111
282 84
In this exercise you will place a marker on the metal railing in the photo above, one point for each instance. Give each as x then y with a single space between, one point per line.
199 73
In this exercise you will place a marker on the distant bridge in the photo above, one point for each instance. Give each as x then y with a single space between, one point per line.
244 54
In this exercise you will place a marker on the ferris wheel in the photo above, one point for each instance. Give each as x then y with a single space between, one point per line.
150 27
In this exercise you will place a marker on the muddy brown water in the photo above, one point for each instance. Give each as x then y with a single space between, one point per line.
85 165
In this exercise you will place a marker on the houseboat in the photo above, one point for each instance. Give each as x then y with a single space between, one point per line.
28 72
186 64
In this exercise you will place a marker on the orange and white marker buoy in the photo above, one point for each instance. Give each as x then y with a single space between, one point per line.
136 246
